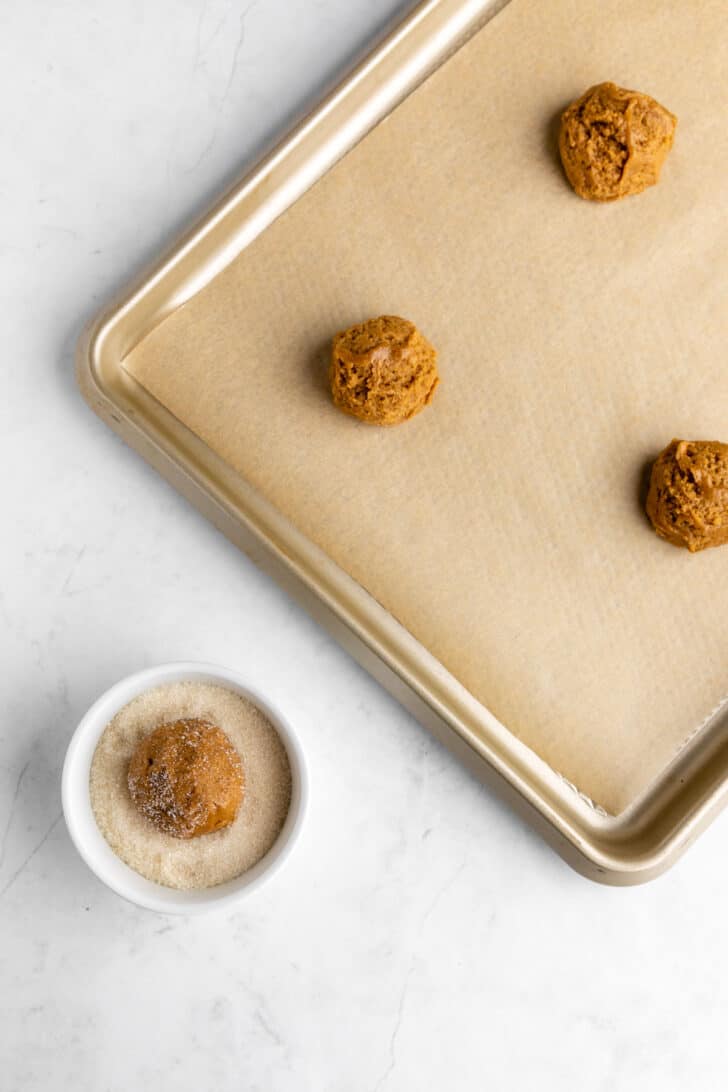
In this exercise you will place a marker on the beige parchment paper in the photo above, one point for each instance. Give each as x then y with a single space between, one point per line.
503 527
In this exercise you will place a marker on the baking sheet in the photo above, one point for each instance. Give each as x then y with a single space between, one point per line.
503 526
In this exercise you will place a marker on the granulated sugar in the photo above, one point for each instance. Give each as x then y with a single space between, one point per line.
212 858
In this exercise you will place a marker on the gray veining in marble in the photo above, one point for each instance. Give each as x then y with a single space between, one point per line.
421 937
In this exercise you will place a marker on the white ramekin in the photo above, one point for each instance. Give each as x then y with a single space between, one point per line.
96 851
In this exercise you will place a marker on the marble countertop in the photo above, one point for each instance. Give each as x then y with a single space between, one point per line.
421 938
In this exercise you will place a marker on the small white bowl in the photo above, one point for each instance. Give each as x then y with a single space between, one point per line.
96 851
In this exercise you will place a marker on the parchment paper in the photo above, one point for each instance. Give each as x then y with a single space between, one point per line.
503 527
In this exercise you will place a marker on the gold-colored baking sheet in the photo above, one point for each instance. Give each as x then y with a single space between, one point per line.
504 526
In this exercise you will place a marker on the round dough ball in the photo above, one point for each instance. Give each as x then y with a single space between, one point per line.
383 371
688 497
613 142
186 778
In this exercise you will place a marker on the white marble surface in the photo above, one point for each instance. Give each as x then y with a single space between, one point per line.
422 938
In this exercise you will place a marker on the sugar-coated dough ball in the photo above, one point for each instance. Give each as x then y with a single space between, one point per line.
383 371
613 142
186 778
688 497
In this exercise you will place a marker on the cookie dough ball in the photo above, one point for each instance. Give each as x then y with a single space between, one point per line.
688 497
613 142
186 778
383 371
